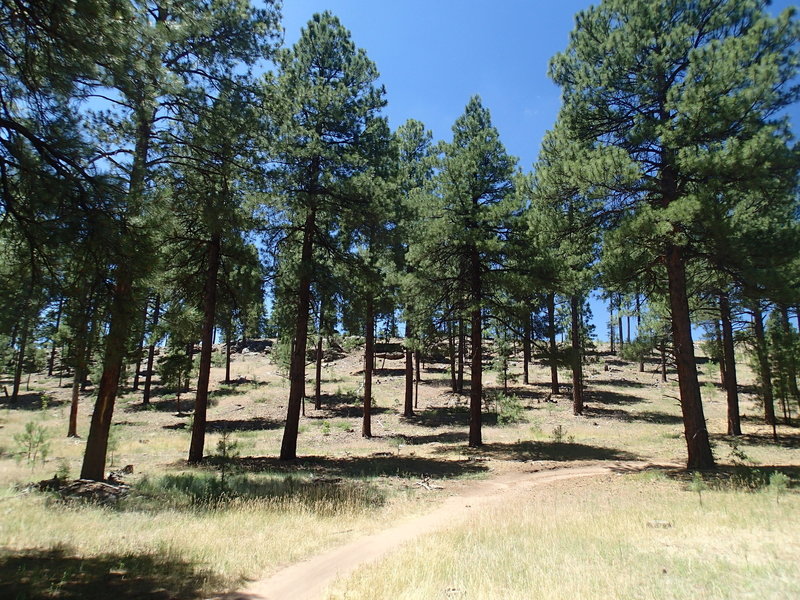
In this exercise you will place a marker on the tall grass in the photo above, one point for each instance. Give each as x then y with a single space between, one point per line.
617 538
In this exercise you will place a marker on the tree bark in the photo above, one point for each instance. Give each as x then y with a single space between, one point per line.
138 367
151 352
694 422
94 459
228 355
476 376
718 339
526 350
461 352
369 363
577 358
297 369
729 358
451 349
318 374
611 325
664 361
23 346
791 365
551 329
408 404
197 443
765 375
52 360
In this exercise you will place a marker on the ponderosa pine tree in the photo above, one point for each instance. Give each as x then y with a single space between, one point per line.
413 182
328 130
465 229
688 92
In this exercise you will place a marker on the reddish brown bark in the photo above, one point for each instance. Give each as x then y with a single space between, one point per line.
729 358
151 352
694 422
94 459
369 365
476 377
197 443
408 404
297 370
551 330
577 357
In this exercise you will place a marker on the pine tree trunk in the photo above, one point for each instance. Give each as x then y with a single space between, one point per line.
23 346
138 367
52 360
551 329
664 361
318 375
94 459
695 432
81 360
765 374
416 379
228 355
577 358
151 353
476 379
369 363
408 404
451 351
197 443
621 334
791 365
526 350
297 369
718 339
729 358
462 349
611 325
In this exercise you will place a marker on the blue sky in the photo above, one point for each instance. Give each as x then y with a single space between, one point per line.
433 55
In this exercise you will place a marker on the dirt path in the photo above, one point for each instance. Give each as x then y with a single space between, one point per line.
308 579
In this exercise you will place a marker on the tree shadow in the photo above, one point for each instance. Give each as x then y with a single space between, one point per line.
445 437
740 477
61 573
163 405
31 401
442 416
625 383
655 417
377 465
254 424
555 451
389 372
763 439
609 397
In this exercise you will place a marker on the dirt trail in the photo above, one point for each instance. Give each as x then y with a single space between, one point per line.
309 578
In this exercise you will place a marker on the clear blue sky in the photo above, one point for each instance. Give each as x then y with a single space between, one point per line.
433 55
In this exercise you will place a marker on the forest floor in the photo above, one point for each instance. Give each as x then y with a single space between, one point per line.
245 516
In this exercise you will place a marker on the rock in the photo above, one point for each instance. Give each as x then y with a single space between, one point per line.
656 524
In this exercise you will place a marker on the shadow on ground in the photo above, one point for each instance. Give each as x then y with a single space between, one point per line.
445 437
30 401
376 465
618 414
739 477
532 450
609 397
59 573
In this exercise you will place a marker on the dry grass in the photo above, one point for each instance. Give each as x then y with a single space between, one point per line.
618 537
